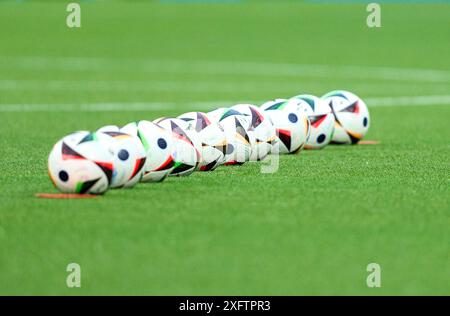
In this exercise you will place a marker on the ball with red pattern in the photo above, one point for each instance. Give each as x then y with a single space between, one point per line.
291 124
261 128
158 146
321 118
351 116
129 156
212 137
80 163
187 144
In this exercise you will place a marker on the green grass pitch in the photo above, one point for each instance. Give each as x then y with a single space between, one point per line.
310 228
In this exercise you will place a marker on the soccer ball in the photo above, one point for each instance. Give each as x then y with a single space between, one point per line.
158 146
212 137
187 145
239 141
351 116
215 115
262 129
79 163
321 118
279 104
109 128
129 156
291 124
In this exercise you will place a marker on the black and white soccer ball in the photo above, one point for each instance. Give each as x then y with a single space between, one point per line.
212 137
239 140
158 146
321 118
261 129
80 163
187 145
129 156
351 116
291 124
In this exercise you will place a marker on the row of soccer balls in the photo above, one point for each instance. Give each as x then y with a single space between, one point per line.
113 157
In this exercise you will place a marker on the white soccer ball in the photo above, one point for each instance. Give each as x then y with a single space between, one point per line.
212 137
279 104
216 114
291 124
239 141
158 146
109 128
321 118
129 156
187 145
262 129
79 163
351 115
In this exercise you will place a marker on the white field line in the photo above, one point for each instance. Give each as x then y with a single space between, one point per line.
158 86
409 100
112 107
130 86
198 86
270 69
204 105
